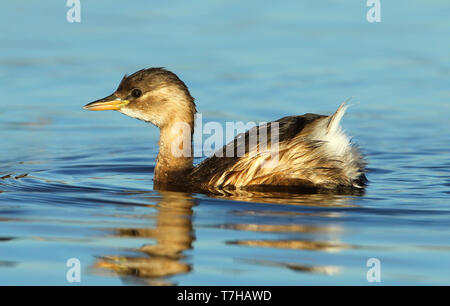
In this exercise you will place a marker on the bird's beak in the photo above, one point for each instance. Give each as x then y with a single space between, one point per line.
111 102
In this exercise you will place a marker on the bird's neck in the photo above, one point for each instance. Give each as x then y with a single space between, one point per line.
174 160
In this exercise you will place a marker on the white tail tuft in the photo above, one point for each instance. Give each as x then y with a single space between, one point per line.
335 119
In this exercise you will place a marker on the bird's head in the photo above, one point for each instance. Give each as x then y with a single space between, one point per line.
154 95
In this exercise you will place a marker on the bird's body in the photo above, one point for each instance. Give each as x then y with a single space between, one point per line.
308 153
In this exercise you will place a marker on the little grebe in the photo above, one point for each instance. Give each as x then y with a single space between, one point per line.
313 153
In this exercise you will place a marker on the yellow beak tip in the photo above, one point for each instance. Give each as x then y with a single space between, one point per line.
106 105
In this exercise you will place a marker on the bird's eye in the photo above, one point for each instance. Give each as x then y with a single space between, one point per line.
136 93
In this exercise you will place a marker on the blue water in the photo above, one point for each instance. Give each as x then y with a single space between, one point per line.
79 184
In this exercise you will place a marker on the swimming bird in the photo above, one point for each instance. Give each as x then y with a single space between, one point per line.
304 153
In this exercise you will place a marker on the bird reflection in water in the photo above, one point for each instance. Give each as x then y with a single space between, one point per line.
303 236
174 233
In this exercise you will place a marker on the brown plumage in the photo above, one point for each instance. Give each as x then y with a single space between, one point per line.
307 153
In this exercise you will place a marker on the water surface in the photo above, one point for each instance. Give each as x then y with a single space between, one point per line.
79 184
